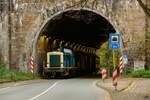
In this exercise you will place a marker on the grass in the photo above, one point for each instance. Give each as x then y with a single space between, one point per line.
140 74
7 75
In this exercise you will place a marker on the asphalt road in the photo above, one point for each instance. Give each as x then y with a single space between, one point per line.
63 89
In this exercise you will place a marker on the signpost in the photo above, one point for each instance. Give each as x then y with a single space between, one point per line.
114 44
139 65
125 58
114 41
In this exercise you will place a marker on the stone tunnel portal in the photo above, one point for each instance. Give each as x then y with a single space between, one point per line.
82 31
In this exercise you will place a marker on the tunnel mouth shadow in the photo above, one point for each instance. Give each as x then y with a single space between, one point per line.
79 26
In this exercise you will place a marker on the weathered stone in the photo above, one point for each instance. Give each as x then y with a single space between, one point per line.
29 16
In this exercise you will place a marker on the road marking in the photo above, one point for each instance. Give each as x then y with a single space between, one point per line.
4 88
33 98
1 89
130 87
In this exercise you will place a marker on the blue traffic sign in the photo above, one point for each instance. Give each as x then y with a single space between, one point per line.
125 55
114 41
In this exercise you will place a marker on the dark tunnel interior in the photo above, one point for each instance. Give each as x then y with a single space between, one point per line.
80 26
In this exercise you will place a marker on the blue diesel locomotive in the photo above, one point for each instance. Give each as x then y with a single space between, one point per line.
61 64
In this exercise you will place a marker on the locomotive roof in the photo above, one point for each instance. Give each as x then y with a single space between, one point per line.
67 51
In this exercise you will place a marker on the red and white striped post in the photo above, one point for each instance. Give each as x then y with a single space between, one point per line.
115 78
121 65
32 64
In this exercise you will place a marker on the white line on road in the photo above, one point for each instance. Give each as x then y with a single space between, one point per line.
33 98
130 87
4 88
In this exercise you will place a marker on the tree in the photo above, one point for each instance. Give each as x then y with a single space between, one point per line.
106 56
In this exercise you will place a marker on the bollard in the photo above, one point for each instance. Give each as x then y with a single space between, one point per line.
104 74
115 78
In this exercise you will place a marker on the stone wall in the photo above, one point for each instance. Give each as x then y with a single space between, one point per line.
4 39
147 36
28 17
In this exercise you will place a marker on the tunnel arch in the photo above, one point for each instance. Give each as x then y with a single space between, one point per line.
58 16
60 12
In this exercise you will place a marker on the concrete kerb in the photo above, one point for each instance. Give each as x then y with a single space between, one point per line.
109 95
20 82
110 91
127 87
7 81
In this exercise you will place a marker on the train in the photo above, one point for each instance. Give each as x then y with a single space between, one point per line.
61 63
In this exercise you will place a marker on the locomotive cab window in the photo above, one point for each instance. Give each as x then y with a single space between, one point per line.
54 60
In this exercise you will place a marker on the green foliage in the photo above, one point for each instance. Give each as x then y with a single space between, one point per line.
2 64
140 74
13 75
106 56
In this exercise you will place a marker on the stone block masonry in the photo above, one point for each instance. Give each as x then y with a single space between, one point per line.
28 16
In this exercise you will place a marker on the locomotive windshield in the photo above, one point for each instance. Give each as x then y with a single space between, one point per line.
54 60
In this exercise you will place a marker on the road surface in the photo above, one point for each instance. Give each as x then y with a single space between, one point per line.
63 89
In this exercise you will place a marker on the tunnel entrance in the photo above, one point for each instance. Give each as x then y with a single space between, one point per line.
80 31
